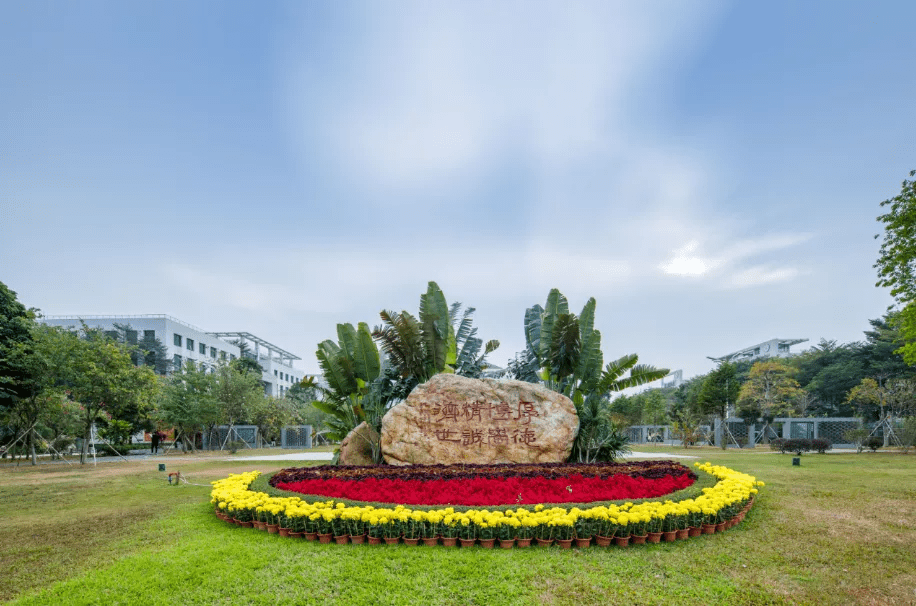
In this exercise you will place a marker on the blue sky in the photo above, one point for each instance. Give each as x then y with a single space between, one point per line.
709 171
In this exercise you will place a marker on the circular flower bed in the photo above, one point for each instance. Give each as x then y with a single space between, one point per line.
721 505
489 485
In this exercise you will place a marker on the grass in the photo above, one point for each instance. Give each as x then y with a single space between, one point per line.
839 529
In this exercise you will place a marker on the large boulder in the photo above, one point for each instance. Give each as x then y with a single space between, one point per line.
453 419
356 447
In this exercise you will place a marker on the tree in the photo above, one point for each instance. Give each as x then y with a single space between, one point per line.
188 401
437 342
15 339
102 377
896 262
563 352
769 392
238 392
718 391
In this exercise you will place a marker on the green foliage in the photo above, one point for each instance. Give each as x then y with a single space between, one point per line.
563 351
770 391
239 392
188 400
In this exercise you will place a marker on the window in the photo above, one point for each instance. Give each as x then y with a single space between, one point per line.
176 361
203 349
275 372
232 356
190 344
131 336
213 352
149 334
222 355
178 339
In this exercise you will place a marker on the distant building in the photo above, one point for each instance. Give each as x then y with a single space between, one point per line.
675 378
186 342
774 348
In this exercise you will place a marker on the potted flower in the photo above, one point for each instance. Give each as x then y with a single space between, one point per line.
564 529
524 532
654 527
544 533
412 527
375 530
391 528
311 526
449 530
339 528
486 532
429 527
507 531
467 531
325 530
585 527
357 520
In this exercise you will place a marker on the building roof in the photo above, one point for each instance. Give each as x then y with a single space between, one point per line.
749 352
247 336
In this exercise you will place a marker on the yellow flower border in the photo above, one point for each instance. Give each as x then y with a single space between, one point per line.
733 491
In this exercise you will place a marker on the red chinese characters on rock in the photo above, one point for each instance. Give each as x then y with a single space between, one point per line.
514 428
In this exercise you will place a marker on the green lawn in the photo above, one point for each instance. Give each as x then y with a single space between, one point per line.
839 529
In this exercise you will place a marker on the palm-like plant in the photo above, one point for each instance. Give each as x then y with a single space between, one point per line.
563 351
437 342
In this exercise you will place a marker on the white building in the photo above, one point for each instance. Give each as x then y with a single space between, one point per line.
774 348
184 342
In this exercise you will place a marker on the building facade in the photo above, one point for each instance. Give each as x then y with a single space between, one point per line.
774 348
185 342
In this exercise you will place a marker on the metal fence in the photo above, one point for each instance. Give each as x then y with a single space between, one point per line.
247 434
296 436
738 434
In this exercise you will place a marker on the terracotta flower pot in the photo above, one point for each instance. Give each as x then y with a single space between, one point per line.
639 539
246 524
487 543
357 539
375 540
295 535
694 531
430 541
583 541
273 528
523 542
324 537
449 541
411 541
341 539
261 526
467 542
709 529
310 536
655 537
507 543
622 541
544 542
564 543
284 532
670 535
392 540
601 541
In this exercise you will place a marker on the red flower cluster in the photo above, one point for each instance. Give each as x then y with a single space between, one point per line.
496 490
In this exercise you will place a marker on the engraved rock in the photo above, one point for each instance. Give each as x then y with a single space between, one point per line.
356 447
453 419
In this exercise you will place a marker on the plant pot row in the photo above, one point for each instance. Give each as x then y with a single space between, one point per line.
597 540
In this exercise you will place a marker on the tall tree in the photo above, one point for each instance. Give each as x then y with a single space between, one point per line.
188 401
896 262
770 391
15 340
102 378
718 392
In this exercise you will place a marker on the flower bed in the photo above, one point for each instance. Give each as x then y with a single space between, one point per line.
489 485
722 504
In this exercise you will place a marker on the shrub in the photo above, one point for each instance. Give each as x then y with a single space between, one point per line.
821 445
874 442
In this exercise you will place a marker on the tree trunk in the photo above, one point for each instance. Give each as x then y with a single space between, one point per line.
724 431
32 446
84 450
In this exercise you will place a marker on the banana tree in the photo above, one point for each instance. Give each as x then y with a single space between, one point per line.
437 342
563 352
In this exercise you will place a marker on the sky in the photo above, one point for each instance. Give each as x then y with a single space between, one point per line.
709 171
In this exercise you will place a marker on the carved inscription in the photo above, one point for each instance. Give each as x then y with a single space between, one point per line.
479 424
